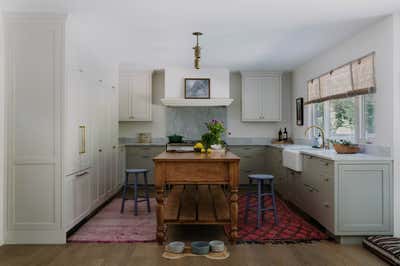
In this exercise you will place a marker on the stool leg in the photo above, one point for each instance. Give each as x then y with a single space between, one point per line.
262 201
124 192
274 203
146 191
258 203
136 194
246 210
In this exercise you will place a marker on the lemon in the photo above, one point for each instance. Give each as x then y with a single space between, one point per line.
199 145
203 150
209 150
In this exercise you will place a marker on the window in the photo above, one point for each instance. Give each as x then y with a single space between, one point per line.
349 118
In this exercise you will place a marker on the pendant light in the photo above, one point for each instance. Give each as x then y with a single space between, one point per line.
197 50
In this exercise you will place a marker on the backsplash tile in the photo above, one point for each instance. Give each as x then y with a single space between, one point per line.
190 121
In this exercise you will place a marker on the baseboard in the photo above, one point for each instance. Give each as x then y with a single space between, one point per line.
36 237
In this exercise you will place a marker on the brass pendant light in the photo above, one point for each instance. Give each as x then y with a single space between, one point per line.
197 50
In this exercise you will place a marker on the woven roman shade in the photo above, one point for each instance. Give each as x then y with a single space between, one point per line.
354 78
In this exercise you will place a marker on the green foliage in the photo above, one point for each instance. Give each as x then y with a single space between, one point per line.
341 141
208 139
343 111
216 128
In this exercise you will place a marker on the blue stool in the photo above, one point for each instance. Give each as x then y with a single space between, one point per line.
135 187
260 194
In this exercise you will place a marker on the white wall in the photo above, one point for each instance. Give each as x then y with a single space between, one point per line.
174 81
396 123
378 38
2 138
237 128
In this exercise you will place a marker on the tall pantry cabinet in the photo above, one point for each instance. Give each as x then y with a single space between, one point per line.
62 127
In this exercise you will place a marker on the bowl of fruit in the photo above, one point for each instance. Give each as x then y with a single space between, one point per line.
198 147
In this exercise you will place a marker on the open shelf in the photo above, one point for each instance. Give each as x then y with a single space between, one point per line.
202 204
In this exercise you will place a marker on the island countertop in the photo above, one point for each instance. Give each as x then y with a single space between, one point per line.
196 156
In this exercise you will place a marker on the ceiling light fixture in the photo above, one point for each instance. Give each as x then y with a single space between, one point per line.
197 50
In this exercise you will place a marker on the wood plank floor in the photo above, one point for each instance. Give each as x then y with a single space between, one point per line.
321 253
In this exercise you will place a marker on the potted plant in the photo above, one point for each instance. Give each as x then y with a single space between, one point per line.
344 146
212 139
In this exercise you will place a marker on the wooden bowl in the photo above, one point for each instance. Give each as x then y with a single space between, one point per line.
346 149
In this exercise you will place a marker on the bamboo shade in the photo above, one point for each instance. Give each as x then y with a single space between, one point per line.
354 78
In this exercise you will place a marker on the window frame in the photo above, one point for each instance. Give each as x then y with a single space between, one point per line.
360 135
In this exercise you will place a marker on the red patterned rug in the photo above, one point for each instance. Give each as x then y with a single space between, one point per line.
291 228
110 226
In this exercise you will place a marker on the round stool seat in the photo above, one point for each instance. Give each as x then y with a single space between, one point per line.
261 177
133 171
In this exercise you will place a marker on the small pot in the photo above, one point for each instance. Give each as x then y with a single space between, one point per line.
346 149
175 139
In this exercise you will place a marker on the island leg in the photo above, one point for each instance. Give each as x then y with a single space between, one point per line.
159 186
234 208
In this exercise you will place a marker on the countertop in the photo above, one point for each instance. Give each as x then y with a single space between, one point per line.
331 153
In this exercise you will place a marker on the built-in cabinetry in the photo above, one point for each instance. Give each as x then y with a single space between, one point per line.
135 100
62 122
261 97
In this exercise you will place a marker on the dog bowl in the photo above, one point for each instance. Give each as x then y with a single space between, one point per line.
200 248
176 247
217 246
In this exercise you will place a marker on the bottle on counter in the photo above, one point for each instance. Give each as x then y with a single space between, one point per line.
280 134
285 135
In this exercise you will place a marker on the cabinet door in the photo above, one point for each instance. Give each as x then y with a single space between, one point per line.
270 96
81 195
367 209
251 105
140 88
125 113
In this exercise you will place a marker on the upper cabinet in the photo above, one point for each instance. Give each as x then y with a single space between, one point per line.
261 97
135 96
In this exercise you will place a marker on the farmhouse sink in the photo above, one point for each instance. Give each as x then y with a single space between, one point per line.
292 159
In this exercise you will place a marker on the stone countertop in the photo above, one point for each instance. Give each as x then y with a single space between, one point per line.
331 153
137 144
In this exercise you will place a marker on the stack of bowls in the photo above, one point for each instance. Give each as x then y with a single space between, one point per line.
176 247
217 246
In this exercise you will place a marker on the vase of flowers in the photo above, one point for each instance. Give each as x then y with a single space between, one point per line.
212 139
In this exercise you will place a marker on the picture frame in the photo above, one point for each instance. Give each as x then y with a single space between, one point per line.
197 88
300 111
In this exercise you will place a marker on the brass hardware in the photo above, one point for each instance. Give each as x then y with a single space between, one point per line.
197 50
114 147
83 141
322 134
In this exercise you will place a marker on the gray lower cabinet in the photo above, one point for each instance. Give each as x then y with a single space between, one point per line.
252 160
364 199
142 157
349 198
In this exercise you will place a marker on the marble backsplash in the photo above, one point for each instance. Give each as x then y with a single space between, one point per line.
189 122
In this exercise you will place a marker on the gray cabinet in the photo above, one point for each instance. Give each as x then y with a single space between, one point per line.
252 160
364 199
142 157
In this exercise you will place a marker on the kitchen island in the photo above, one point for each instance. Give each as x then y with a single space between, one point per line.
196 196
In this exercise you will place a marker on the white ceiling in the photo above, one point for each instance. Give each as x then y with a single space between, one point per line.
238 34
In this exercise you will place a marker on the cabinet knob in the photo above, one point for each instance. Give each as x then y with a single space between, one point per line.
100 150
326 179
326 205
114 147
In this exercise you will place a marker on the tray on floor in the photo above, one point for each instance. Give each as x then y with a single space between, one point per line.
188 253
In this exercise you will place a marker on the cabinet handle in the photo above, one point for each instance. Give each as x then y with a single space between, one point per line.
131 117
83 140
326 205
326 179
82 174
100 150
114 147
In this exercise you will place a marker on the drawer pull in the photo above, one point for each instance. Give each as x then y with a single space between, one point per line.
82 174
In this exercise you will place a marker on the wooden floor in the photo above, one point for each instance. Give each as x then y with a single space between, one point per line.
322 253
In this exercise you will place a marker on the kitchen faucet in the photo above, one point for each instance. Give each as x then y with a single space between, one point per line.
322 134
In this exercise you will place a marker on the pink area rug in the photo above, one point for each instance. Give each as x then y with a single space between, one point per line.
110 226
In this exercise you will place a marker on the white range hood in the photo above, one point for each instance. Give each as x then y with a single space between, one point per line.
174 87
196 102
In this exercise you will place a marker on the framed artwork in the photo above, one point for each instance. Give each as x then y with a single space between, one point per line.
197 88
300 111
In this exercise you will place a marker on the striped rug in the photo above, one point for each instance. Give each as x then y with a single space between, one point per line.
385 247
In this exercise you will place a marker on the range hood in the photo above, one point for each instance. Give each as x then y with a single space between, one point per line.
181 102
174 87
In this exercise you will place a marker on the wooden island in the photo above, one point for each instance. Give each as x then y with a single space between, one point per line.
196 196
